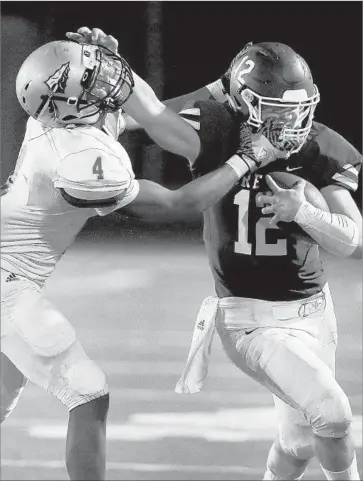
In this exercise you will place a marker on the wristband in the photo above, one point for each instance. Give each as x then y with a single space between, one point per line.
239 165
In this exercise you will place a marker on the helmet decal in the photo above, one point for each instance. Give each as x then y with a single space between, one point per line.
58 80
57 83
248 66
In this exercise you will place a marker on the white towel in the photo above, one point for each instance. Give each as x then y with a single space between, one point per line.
196 367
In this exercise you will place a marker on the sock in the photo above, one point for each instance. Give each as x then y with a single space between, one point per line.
350 474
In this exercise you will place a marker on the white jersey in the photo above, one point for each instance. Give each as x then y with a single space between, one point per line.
37 223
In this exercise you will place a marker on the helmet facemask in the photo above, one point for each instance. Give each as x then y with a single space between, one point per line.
293 131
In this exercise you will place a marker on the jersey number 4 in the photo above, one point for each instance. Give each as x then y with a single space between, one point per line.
97 168
262 226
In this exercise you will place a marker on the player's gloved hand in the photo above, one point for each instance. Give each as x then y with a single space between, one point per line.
95 37
255 148
273 131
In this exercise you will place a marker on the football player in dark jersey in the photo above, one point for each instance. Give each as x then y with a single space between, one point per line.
281 331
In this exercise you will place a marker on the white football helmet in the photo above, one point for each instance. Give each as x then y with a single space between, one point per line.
63 82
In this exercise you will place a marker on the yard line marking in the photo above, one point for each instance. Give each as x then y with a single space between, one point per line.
221 369
165 368
144 467
168 395
223 425
222 397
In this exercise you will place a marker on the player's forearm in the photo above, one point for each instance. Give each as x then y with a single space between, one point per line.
165 127
202 193
336 233
175 104
131 124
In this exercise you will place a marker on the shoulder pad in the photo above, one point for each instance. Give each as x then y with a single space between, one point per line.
94 174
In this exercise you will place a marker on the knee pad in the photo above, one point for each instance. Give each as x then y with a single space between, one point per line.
77 379
86 378
332 417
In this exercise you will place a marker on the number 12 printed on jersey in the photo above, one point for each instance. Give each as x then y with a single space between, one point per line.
262 226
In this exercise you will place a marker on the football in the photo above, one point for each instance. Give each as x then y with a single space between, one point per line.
313 195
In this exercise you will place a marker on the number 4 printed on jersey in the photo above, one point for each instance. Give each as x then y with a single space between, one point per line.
261 226
97 168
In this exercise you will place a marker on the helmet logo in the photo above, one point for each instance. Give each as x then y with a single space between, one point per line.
57 82
248 66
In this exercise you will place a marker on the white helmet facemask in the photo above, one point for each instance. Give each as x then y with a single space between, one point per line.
295 110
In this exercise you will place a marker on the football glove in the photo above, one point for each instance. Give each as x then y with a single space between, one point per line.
273 131
255 149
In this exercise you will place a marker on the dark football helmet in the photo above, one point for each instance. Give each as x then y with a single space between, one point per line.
270 81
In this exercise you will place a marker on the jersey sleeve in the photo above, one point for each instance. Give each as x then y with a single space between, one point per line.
340 162
217 127
130 195
218 91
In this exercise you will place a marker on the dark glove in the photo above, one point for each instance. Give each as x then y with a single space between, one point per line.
255 148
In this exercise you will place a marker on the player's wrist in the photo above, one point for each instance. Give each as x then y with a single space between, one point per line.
251 163
239 165
305 213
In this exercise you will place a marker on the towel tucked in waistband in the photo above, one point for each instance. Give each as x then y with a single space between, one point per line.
196 367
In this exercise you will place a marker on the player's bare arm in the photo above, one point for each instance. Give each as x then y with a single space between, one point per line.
338 231
155 201
163 125
175 104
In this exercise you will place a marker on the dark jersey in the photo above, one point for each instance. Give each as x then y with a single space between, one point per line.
249 257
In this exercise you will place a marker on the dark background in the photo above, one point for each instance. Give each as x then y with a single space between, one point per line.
180 46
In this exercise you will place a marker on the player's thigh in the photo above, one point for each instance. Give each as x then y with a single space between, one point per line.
41 343
33 331
281 362
295 433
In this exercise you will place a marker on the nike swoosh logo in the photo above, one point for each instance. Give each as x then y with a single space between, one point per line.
290 169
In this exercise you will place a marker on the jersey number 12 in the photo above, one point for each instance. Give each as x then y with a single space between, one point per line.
278 248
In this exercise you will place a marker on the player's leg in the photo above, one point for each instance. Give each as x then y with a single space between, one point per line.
292 450
41 343
12 384
336 453
294 447
265 354
287 466
81 385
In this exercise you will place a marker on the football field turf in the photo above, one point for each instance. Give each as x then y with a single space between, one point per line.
134 306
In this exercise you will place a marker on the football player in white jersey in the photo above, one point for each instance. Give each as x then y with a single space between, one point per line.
71 168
